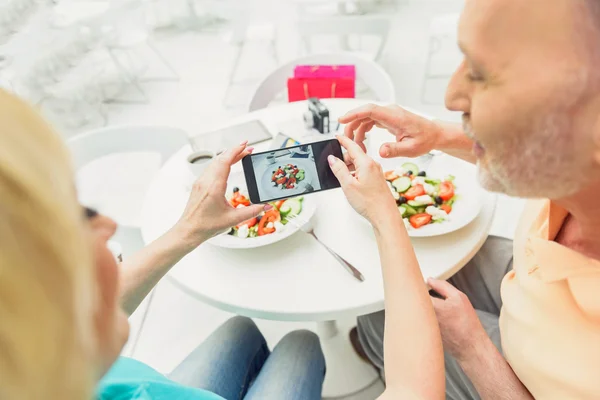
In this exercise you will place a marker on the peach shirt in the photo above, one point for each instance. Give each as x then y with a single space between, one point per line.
550 319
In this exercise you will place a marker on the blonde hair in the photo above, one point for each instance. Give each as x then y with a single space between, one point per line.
46 275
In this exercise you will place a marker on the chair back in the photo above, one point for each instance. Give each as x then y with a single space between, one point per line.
374 76
99 143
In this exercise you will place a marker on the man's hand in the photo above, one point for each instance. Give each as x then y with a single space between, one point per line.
459 325
415 135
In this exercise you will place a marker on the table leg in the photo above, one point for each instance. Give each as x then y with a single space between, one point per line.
346 372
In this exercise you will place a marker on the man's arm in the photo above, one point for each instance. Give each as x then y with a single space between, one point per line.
413 348
452 140
491 374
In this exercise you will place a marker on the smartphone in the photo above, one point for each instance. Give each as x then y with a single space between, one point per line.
293 171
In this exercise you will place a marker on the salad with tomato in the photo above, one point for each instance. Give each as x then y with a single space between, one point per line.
421 199
267 222
287 177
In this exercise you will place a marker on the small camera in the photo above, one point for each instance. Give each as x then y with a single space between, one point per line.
317 116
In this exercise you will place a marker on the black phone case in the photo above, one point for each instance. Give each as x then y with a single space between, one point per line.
250 176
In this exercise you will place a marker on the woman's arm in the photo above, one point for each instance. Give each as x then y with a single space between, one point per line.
207 213
413 350
414 360
141 272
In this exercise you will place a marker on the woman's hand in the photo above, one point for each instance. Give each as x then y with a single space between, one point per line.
366 190
415 135
208 212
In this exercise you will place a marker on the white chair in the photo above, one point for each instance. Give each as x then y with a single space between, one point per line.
343 27
91 146
375 77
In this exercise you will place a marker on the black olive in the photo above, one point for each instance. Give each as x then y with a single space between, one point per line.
409 172
402 200
438 200
273 171
422 173
236 189
258 218
295 166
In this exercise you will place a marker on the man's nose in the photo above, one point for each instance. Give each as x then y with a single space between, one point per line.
457 93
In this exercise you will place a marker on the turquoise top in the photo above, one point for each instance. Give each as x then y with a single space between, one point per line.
132 380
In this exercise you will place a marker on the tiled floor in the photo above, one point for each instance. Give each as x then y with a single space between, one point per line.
174 323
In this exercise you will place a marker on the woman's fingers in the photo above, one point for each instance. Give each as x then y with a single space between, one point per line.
340 170
218 171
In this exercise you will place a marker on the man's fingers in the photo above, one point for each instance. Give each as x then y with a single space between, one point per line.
355 152
377 113
340 170
350 128
361 132
361 112
442 287
404 148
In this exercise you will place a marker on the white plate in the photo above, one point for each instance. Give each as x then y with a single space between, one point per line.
470 195
309 206
309 178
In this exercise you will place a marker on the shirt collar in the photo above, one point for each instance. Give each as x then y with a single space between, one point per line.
555 261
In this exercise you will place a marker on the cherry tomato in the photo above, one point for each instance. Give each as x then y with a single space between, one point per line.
281 180
414 191
446 190
390 176
446 207
418 220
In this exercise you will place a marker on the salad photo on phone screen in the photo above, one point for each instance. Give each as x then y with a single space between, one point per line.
286 172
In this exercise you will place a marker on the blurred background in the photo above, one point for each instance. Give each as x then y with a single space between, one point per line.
193 63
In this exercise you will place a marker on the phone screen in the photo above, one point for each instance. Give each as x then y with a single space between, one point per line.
289 172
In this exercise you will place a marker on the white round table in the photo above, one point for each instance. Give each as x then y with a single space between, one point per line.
296 279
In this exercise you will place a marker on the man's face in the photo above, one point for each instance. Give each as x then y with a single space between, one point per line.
529 93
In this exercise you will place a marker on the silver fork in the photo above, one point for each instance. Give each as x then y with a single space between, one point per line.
300 224
426 159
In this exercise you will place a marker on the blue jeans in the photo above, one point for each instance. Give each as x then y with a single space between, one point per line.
235 363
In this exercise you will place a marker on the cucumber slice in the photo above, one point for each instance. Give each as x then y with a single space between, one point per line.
411 167
414 203
402 184
409 210
420 210
291 206
402 210
285 210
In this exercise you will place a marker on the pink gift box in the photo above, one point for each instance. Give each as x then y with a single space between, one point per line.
325 71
